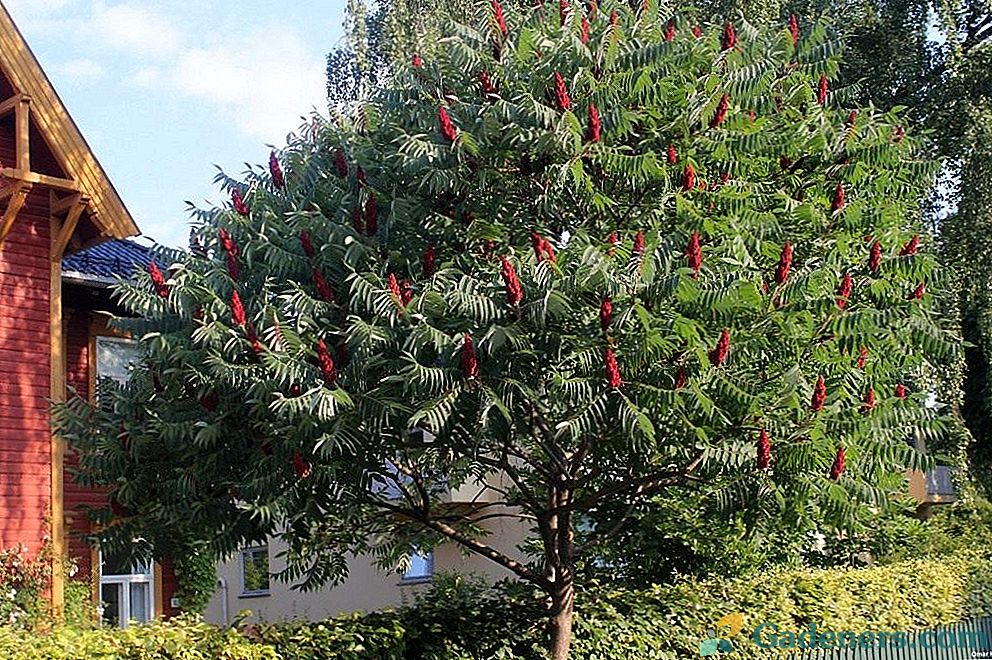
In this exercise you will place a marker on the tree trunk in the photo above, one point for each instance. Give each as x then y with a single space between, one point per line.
562 611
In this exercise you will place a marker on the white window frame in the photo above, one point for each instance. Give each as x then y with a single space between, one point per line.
124 583
250 552
428 563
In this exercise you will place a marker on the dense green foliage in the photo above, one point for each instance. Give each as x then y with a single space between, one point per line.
196 578
460 620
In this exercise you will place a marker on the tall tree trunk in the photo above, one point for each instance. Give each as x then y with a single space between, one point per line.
562 612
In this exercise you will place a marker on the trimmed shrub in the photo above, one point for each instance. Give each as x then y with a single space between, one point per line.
460 619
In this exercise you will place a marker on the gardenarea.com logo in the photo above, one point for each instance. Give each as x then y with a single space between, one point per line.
721 638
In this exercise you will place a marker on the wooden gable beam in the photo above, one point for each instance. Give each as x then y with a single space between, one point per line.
10 105
73 206
18 195
22 121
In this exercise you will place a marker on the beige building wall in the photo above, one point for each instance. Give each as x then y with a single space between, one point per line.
367 587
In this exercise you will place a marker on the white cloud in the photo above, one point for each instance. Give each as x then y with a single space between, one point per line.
134 28
262 81
146 76
82 68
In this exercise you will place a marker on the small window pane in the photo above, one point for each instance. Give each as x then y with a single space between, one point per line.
139 592
110 597
255 571
118 565
421 566
114 357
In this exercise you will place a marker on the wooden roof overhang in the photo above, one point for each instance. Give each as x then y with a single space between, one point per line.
35 105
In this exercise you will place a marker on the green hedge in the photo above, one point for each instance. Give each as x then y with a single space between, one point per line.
461 620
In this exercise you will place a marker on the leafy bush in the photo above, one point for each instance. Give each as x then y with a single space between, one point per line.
460 619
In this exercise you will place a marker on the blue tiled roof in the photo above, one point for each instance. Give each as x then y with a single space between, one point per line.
107 261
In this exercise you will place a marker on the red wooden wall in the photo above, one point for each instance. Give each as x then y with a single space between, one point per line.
25 386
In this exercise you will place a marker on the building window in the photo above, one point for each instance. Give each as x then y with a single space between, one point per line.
126 590
421 567
114 357
255 571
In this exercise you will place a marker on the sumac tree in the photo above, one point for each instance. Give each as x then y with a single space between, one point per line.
579 259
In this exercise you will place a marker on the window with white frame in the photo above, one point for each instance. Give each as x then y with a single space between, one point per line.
421 567
127 590
255 571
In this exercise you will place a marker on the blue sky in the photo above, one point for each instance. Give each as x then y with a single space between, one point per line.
163 90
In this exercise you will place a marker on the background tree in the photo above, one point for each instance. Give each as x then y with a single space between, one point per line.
597 256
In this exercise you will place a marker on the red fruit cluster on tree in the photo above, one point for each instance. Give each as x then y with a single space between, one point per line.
719 354
406 292
231 250
680 378
417 61
612 369
605 313
613 239
326 364
300 466
919 291
306 243
784 264
470 361
721 111
256 345
898 133
584 34
869 402
688 177
323 288
638 249
360 176
499 18
910 248
844 290
822 89
278 180
356 220
542 247
448 130
237 309
486 83
839 199
819 395
794 29
340 163
563 11
729 39
852 119
429 262
697 31
394 287
838 467
593 131
764 459
901 391
875 257
670 30
562 100
673 156
209 401
613 18
511 283
694 254
863 357
239 203
158 280
371 215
